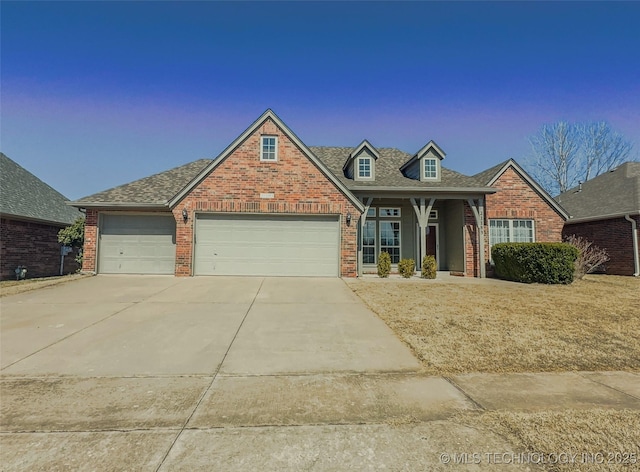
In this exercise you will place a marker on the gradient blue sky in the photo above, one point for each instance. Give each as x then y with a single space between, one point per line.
97 94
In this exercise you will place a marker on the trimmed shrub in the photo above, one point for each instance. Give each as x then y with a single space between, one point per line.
407 267
545 263
384 264
428 267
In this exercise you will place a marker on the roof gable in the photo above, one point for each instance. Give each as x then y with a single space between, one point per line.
267 115
26 196
501 169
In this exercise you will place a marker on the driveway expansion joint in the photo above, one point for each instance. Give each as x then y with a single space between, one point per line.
465 394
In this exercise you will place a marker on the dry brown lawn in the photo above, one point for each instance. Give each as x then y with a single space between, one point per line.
13 287
589 440
461 325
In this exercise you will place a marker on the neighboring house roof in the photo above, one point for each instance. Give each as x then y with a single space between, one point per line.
388 174
25 196
609 195
156 190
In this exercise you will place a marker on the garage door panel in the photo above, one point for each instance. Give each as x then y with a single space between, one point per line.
137 244
267 245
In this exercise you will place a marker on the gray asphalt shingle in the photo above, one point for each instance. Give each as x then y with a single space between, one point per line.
160 188
26 196
611 193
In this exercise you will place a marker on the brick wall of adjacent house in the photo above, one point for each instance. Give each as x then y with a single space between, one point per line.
515 199
236 184
614 236
34 245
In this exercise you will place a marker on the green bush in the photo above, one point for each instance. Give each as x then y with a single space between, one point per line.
428 267
545 263
407 268
384 264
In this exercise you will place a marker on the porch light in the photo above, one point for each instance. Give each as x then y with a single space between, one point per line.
348 218
185 215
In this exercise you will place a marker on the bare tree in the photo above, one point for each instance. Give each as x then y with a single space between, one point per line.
564 154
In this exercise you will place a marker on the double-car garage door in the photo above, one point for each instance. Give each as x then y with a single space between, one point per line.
267 245
238 244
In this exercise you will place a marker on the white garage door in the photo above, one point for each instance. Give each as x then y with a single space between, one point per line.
137 244
267 245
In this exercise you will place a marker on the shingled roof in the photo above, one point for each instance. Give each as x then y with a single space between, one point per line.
25 196
155 190
388 174
614 193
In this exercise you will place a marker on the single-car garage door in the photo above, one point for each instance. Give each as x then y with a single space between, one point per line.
297 245
137 244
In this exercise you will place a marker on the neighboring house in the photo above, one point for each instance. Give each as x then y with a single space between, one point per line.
606 211
31 214
270 205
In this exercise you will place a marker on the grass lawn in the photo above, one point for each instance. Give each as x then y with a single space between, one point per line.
460 326
13 287
590 440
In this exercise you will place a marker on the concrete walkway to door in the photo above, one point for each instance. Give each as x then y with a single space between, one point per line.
220 373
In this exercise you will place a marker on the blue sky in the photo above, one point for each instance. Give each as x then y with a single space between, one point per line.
97 94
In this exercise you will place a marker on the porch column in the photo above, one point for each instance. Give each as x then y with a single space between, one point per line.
422 213
478 213
363 220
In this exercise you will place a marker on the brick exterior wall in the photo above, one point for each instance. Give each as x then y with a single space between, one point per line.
614 236
515 199
235 185
34 245
90 241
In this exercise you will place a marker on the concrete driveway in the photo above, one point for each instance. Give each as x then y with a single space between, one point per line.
163 373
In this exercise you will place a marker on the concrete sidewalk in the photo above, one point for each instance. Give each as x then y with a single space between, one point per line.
163 374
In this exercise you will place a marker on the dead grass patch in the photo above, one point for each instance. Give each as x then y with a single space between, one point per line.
592 440
463 326
13 287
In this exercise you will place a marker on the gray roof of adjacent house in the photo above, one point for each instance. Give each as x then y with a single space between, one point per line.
25 196
614 193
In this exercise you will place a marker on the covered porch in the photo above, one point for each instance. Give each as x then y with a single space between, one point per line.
449 226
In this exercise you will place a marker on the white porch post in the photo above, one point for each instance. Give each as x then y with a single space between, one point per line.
422 213
478 213
363 220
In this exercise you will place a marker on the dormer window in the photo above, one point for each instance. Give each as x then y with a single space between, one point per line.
364 168
430 168
269 148
361 162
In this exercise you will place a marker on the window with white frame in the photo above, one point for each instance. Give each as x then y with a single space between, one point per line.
369 243
390 239
364 168
371 212
433 215
511 231
269 148
430 168
389 212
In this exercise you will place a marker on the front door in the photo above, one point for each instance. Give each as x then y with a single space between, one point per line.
432 241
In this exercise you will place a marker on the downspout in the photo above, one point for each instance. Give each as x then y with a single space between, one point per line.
634 234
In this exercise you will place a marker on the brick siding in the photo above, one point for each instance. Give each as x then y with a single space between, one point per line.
614 236
34 245
515 199
235 186
297 184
